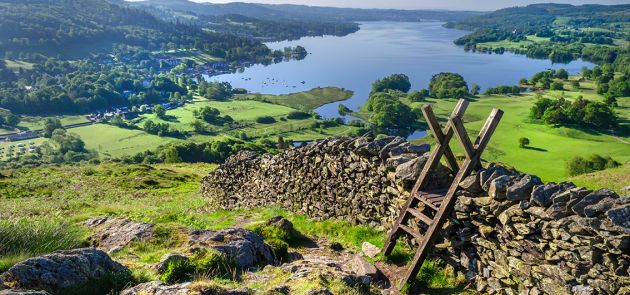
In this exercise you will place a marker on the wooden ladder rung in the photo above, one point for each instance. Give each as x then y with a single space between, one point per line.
416 235
426 219
433 199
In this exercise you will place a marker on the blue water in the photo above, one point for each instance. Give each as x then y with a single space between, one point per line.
418 50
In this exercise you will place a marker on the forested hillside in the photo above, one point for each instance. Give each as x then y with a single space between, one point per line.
560 32
307 13
74 27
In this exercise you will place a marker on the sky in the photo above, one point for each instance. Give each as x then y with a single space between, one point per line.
483 5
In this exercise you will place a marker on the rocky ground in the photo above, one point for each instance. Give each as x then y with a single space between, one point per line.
314 267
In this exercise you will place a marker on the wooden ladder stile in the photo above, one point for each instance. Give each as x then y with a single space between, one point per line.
439 203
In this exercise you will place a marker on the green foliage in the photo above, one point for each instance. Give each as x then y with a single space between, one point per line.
580 112
50 125
579 165
562 74
298 115
159 111
215 151
418 95
398 82
280 248
215 90
212 115
445 85
389 112
7 118
503 90
343 110
266 120
557 86
207 263
178 271
523 142
32 236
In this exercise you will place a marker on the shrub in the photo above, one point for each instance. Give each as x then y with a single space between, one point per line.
557 86
266 120
297 115
178 271
33 236
212 263
579 165
280 248
208 263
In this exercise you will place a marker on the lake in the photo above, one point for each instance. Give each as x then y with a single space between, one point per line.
379 49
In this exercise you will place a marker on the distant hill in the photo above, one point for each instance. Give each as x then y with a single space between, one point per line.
536 16
307 13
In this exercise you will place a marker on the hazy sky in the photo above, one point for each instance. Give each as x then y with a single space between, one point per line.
423 4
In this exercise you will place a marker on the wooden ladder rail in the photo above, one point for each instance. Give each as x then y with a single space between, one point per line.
472 162
441 147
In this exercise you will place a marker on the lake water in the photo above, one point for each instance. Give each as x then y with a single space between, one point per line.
379 49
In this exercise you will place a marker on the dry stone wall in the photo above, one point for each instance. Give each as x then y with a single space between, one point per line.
360 180
509 232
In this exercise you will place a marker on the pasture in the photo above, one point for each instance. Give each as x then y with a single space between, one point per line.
550 147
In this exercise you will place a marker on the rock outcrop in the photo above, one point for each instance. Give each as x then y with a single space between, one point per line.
160 288
111 234
61 271
360 180
510 232
246 247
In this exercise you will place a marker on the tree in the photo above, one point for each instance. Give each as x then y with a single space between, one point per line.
159 111
575 84
445 85
343 110
562 74
394 82
523 142
50 125
474 89
556 86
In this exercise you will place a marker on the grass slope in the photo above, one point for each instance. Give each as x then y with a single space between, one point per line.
550 148
167 195
304 101
616 179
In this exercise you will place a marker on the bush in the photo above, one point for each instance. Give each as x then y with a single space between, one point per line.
579 165
445 85
557 86
297 115
280 248
208 263
266 120
178 271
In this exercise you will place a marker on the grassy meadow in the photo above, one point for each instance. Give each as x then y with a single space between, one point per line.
48 207
304 101
550 147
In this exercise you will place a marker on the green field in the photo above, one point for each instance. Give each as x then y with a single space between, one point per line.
112 141
531 39
304 101
550 147
18 64
198 56
616 179
35 123
244 110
